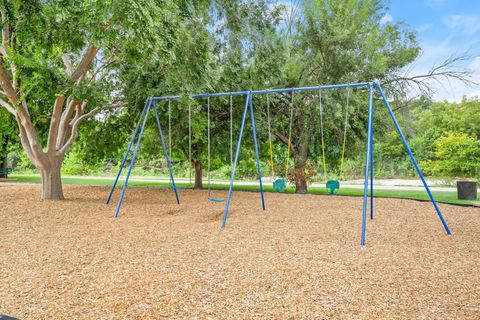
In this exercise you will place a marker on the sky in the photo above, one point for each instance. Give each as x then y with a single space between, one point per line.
444 28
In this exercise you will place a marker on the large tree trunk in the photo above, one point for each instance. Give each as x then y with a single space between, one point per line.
301 156
198 175
52 182
301 186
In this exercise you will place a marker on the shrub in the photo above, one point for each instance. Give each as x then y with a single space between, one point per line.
456 155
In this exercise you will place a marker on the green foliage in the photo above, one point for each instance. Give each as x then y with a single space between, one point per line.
74 165
456 155
129 34
162 47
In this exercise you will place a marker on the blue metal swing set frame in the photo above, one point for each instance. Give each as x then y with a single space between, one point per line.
151 103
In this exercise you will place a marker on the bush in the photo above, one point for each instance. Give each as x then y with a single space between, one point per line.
456 155
75 165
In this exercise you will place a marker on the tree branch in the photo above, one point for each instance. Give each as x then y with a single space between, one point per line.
7 106
78 119
55 123
21 112
450 68
65 122
5 35
284 139
7 86
82 67
25 142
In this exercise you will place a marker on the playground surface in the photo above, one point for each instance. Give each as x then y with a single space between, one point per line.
300 259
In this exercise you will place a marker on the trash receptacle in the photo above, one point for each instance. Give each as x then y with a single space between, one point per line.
466 190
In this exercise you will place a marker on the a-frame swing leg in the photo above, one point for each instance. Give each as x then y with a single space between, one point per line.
256 152
172 180
371 163
149 104
134 135
237 152
367 160
414 161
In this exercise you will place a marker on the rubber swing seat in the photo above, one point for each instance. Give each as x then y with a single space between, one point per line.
216 200
333 186
279 185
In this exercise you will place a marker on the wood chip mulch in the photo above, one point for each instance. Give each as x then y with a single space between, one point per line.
300 259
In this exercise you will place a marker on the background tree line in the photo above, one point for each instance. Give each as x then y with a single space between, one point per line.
184 47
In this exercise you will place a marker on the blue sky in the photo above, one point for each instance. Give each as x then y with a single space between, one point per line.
444 28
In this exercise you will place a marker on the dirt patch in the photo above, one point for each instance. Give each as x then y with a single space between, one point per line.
299 259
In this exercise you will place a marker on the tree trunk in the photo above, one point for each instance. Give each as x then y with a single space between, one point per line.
4 157
301 185
301 156
198 175
4 164
52 182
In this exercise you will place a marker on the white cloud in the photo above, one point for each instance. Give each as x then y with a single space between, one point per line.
434 3
387 18
424 27
468 25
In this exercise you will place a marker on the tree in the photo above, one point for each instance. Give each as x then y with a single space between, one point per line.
189 71
68 54
324 42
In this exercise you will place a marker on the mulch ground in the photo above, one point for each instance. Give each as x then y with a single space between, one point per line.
300 259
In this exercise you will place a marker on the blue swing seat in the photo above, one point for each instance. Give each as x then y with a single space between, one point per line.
216 200
279 185
333 186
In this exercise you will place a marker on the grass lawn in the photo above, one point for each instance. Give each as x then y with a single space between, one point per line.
445 197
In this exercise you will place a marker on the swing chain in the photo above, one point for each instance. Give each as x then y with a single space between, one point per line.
344 134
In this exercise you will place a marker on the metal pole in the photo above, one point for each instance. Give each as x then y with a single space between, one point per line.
369 143
231 132
174 187
189 143
127 152
371 163
240 93
232 177
414 161
133 159
256 152
208 144
169 128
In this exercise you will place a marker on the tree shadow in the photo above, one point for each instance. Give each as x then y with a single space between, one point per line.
4 317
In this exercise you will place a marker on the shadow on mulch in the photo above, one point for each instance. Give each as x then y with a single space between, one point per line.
4 317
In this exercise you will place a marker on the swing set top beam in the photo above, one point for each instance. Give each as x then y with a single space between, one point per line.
266 91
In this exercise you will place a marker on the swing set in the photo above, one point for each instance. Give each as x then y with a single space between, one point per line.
151 104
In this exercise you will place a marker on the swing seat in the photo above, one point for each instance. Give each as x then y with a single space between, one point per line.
216 200
333 186
279 185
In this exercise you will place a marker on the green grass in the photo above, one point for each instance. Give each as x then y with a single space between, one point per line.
445 197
